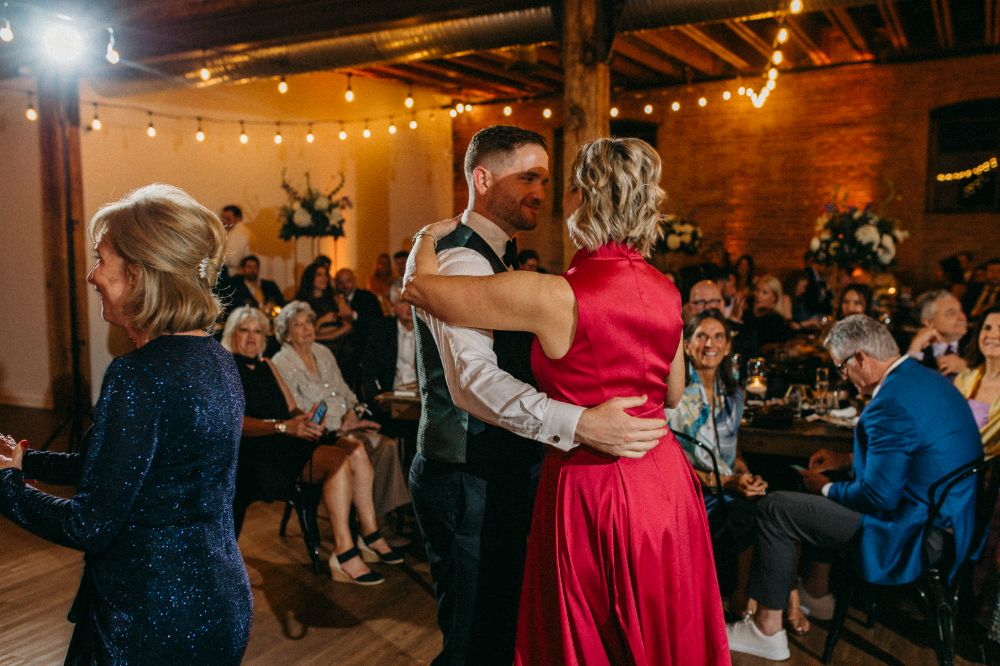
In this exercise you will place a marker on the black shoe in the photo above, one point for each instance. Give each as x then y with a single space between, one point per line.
370 555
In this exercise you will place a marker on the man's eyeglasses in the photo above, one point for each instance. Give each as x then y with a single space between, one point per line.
842 366
707 304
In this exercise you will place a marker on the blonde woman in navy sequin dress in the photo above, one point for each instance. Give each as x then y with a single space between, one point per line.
163 580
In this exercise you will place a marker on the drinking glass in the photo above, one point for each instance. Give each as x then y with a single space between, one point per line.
757 377
735 360
822 389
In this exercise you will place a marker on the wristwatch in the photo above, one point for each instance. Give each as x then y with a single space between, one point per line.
280 427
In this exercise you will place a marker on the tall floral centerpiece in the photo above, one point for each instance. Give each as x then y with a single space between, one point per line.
849 238
313 213
678 235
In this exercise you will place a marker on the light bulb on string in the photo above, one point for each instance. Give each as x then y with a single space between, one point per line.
31 113
777 57
772 73
614 112
413 121
95 122
726 95
112 55
702 101
366 133
453 113
507 110
546 113
199 136
648 109
392 127
150 129
277 133
460 107
676 106
282 85
408 102
782 35
468 108
741 91
349 93
795 7
244 139
342 135
6 34
204 73
310 137
770 84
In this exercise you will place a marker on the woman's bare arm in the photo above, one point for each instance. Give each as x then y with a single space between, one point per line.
675 381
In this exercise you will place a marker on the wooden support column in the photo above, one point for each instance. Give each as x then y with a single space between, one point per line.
64 243
587 34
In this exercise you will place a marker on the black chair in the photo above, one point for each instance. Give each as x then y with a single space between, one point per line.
304 500
939 594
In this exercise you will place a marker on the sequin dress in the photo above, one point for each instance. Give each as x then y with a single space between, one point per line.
163 581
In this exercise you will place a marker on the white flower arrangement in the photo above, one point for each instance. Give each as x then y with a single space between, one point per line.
313 213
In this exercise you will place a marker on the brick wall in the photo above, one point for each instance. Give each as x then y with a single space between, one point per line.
757 178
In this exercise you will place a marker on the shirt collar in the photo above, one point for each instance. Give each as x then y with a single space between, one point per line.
899 362
488 230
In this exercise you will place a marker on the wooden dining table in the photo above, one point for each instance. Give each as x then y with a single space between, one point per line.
799 440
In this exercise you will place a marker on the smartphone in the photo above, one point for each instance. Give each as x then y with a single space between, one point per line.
320 412
798 468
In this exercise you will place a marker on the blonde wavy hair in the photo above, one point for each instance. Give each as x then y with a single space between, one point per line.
619 182
236 319
173 248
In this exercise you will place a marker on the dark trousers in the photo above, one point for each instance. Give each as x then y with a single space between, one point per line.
475 522
783 519
731 522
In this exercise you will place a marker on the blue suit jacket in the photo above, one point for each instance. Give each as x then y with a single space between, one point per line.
917 429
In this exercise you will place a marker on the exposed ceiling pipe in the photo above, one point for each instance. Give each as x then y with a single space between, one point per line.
437 39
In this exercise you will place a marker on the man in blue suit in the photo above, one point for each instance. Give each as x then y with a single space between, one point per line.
916 429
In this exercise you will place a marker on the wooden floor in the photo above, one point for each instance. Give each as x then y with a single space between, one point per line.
300 618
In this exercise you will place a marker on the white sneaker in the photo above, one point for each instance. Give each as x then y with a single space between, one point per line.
744 636
820 608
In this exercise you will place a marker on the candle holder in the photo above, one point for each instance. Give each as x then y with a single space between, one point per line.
757 378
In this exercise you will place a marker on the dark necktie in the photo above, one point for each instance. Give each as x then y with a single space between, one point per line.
510 254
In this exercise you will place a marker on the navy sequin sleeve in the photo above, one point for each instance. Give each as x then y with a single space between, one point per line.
164 581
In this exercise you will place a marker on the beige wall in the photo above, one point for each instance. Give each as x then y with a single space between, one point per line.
24 359
398 183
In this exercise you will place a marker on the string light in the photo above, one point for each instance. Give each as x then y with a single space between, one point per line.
978 170
614 112
507 111
30 113
796 7
413 121
282 85
310 137
702 101
392 127
199 136
112 55
772 73
367 133
453 113
777 57
460 107
95 122
771 84
342 135
648 109
244 139
408 102
782 35
277 134
204 73
741 91
546 113
349 93
468 108
726 95
6 34
676 106
150 130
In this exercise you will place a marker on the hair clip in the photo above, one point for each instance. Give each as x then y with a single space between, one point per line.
203 268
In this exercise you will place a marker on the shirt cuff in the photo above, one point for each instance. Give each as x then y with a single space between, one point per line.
559 425
916 355
825 490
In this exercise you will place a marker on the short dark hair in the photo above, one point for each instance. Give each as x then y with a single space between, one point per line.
234 209
323 260
495 139
402 254
524 255
249 257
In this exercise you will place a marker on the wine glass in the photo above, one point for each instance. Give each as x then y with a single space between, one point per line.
822 389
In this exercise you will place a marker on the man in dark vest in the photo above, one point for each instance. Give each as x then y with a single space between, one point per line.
473 478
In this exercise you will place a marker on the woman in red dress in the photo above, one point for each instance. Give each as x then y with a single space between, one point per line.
619 566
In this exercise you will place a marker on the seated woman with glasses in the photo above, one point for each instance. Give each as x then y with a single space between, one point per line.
710 411
280 443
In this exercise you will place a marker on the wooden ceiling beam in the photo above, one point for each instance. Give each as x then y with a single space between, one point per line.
464 80
748 35
699 36
941 9
625 67
897 34
510 67
407 73
477 68
841 18
679 47
804 41
642 54
992 36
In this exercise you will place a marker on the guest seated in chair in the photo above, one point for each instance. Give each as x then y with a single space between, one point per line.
281 443
768 316
944 324
709 412
311 373
915 430
250 289
855 299
333 316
